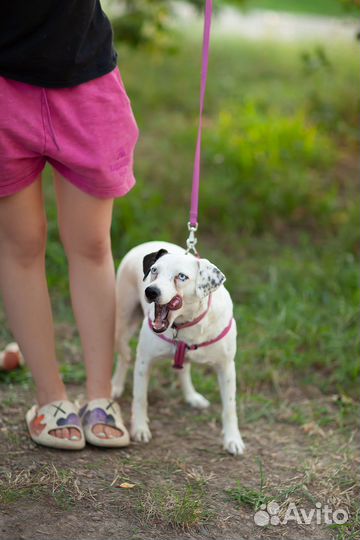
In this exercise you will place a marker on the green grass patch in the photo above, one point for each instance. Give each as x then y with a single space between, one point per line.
256 497
73 373
178 508
278 201
349 530
20 376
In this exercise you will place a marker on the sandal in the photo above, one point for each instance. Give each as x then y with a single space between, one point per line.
103 411
55 415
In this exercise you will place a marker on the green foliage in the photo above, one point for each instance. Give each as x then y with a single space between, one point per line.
278 200
264 162
143 22
148 22
298 313
17 376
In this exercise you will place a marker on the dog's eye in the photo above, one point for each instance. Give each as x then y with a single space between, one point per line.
182 277
153 270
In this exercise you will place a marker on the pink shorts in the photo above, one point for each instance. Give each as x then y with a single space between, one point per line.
88 133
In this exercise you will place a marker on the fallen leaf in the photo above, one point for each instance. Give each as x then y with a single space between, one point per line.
126 485
311 428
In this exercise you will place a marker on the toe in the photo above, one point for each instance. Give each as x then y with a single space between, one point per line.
112 432
99 431
104 431
56 433
74 434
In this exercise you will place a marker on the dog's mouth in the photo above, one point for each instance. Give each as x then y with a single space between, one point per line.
161 321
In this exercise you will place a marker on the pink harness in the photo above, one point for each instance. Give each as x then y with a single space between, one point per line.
182 346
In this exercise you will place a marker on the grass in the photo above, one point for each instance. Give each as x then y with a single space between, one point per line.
317 484
182 508
249 496
278 203
60 484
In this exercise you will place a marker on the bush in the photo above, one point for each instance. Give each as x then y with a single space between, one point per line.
267 167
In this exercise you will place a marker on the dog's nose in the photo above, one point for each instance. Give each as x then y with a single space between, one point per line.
152 293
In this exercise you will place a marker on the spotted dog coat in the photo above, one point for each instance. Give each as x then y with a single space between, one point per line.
165 270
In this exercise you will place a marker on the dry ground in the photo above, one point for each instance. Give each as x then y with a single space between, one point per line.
181 479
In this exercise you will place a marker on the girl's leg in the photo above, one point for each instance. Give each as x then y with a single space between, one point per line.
84 225
23 232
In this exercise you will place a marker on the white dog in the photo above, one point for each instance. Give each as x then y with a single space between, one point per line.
185 311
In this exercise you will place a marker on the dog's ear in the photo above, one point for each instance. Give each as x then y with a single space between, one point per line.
208 278
149 260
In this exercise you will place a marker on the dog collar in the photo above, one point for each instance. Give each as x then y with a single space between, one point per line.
194 321
182 346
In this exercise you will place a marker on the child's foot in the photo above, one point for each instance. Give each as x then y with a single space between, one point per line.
103 424
57 425
66 433
104 431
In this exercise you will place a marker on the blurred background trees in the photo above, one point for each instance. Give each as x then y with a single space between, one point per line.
147 22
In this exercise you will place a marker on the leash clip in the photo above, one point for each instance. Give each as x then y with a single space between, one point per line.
191 240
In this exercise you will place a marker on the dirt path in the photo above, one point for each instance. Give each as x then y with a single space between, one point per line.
181 478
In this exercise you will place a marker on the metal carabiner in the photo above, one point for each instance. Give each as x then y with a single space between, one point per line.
191 240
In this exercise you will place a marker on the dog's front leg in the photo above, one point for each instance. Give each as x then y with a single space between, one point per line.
233 442
139 420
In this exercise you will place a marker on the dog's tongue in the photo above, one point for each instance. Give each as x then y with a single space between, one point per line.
160 323
175 303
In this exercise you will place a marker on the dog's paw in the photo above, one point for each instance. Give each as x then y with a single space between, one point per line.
234 444
141 434
198 401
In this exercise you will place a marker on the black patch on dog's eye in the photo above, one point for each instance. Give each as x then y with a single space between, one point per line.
149 260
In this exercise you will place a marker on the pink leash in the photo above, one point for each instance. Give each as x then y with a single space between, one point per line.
193 223
182 346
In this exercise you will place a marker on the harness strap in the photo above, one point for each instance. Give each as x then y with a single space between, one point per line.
182 346
179 355
194 321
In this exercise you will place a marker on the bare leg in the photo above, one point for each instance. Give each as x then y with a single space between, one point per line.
23 232
84 224
191 396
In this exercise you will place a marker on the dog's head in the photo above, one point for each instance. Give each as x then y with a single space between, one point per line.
175 281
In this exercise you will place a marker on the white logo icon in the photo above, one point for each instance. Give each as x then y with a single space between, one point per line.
263 517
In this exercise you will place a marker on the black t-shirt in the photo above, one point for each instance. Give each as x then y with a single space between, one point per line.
55 43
